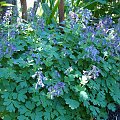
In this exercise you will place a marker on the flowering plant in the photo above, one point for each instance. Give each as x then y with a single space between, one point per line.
45 74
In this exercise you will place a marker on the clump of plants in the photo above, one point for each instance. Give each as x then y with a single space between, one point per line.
46 74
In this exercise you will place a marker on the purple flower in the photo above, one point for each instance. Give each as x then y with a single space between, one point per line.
86 15
38 60
106 22
13 34
65 51
93 53
41 23
117 26
59 85
73 19
55 41
73 15
6 46
13 48
56 89
104 25
40 78
57 73
33 55
93 73
50 89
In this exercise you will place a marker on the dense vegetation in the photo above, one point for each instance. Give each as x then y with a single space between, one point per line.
59 72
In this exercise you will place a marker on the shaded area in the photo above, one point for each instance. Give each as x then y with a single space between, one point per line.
114 115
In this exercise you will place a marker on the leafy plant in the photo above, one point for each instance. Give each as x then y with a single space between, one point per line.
45 74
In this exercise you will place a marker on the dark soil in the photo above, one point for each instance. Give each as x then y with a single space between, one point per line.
114 115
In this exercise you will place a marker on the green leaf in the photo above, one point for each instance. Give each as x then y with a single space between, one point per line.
54 113
28 113
72 57
79 88
73 104
60 109
112 107
101 1
4 73
53 11
2 108
20 62
3 3
10 108
16 104
7 102
48 62
116 96
95 110
46 9
47 115
23 84
69 78
35 98
77 3
21 117
22 97
14 95
5 95
23 109
83 95
44 101
7 117
30 105
61 118
38 116
32 115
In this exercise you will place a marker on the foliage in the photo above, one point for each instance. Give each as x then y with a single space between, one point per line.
49 12
45 74
100 8
3 3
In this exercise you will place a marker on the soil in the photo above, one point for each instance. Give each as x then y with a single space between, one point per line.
114 115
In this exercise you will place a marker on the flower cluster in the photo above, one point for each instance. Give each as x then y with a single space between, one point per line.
56 90
85 15
104 33
7 45
73 19
41 23
114 36
6 48
73 15
93 73
40 78
106 22
93 53
57 74
7 16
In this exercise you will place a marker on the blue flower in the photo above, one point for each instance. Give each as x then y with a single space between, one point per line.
41 23
57 73
93 73
40 78
59 85
56 90
73 19
93 53
86 15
